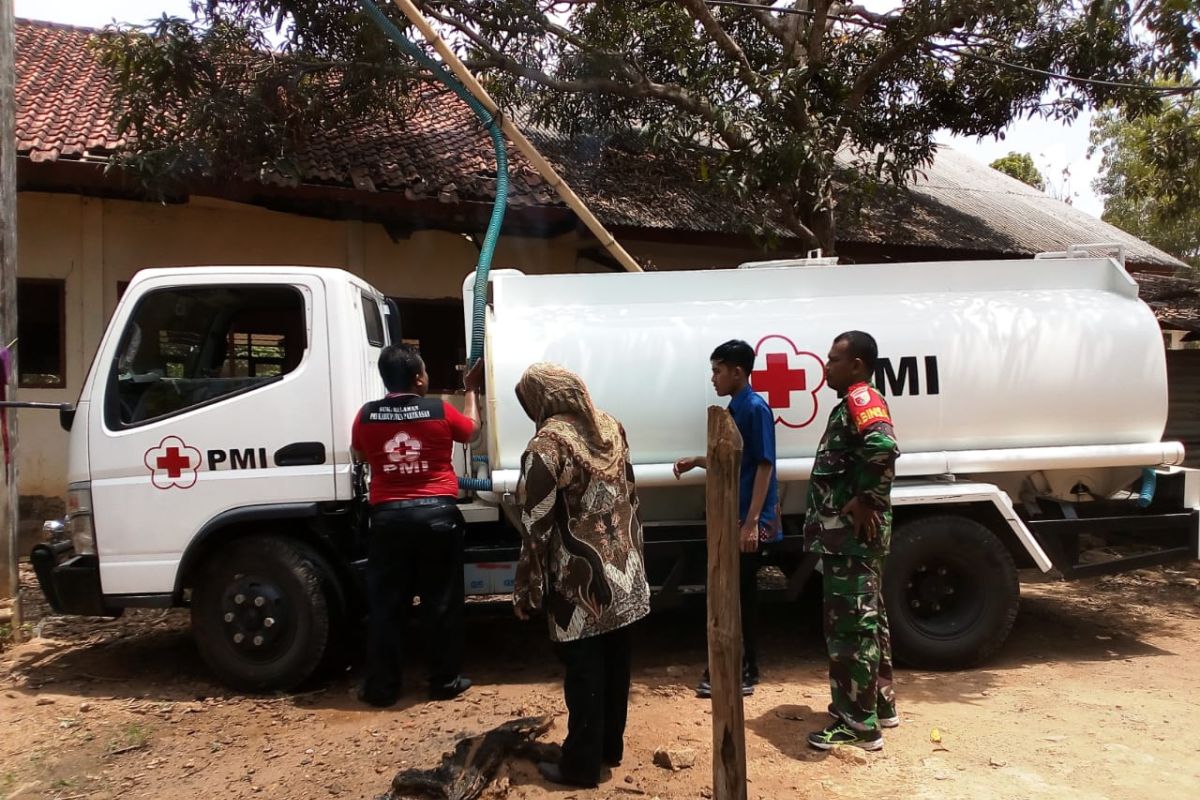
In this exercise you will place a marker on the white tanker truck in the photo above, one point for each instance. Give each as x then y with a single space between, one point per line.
209 463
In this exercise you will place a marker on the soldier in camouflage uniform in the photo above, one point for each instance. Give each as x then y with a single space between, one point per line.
849 522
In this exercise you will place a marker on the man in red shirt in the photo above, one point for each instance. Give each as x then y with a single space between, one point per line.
416 544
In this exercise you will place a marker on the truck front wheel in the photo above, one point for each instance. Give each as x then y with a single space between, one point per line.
951 590
261 613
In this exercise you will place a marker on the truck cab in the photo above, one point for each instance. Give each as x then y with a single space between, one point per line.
209 460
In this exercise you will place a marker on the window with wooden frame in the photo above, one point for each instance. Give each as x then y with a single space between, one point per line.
41 333
435 327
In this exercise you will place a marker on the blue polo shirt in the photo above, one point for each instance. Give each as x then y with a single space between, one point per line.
756 422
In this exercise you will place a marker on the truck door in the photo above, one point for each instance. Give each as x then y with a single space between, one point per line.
216 398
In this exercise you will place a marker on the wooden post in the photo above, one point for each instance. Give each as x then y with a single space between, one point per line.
724 607
9 582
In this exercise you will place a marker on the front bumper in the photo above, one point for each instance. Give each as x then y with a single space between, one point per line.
70 582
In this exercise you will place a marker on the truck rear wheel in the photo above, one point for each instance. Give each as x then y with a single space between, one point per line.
261 613
951 590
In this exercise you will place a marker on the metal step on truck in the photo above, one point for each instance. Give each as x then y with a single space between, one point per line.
209 462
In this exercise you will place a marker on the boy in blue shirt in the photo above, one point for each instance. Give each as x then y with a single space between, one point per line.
758 491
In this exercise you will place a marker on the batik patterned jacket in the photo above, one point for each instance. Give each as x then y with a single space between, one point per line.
582 558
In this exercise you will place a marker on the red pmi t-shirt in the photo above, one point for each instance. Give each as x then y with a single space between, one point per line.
407 440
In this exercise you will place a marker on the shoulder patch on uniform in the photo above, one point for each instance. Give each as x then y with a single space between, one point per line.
867 407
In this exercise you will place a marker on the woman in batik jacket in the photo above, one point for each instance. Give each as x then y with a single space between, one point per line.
582 562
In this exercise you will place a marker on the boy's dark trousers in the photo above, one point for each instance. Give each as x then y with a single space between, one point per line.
596 687
750 564
414 551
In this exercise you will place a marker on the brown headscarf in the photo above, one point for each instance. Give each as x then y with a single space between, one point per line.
558 402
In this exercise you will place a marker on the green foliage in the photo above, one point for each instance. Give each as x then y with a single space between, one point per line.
1021 167
796 116
1150 179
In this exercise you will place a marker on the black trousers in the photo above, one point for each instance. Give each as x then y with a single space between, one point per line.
414 552
750 564
596 687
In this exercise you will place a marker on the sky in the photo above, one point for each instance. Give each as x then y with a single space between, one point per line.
1054 146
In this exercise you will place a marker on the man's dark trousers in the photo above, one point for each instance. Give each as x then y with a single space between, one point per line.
414 551
597 694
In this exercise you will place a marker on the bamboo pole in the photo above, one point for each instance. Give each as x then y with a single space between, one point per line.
724 607
548 173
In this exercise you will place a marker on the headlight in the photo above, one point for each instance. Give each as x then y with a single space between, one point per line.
79 518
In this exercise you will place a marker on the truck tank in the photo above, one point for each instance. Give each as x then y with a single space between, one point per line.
979 359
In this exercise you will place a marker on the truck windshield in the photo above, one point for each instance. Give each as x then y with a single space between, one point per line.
189 346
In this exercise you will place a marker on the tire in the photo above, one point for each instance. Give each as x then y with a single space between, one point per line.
275 644
951 591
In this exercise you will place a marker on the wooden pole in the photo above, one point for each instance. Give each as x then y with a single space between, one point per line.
724 607
10 586
539 163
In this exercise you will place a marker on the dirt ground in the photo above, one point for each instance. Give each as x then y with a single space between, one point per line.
1095 695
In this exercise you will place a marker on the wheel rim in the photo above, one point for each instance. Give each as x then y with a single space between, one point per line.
257 618
942 598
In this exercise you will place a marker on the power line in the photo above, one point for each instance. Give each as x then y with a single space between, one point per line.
1146 87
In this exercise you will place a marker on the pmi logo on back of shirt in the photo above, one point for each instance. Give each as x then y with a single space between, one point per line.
404 455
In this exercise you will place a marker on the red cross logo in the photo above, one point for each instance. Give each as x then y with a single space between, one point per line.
790 380
778 380
172 464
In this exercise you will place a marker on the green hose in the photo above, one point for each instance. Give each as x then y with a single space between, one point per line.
478 313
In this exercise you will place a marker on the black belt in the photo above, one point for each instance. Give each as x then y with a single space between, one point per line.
416 502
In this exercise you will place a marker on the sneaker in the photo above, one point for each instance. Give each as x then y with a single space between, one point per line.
889 717
704 687
839 733
890 721
450 690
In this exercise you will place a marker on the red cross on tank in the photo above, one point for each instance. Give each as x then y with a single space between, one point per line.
789 379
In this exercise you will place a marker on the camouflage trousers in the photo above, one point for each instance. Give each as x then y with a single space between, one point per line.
860 646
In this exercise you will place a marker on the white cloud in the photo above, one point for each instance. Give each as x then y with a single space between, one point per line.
92 14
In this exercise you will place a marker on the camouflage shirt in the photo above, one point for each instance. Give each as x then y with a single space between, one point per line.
856 457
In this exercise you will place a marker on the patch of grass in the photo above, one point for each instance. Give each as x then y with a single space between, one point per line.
133 736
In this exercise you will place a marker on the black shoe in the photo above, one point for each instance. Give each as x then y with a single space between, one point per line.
377 699
450 690
750 674
554 774
704 687
839 733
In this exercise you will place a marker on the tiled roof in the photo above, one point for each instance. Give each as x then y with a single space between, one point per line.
63 94
1175 300
441 153
64 111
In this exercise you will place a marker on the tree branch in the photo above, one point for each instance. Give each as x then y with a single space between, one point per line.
816 33
903 45
725 42
644 88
